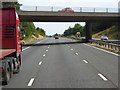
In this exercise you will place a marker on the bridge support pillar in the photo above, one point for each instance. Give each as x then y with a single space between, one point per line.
88 31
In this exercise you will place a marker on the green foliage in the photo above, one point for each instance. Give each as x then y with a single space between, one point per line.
41 31
100 26
96 28
72 31
30 29
11 4
56 34
111 32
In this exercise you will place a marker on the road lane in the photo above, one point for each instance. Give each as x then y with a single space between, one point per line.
63 69
59 67
30 59
104 62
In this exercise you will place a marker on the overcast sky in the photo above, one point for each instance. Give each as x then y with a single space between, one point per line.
53 27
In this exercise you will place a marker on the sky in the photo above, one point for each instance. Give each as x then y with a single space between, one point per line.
59 27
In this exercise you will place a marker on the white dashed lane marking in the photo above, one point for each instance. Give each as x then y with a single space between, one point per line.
31 82
40 62
104 78
76 53
43 55
85 61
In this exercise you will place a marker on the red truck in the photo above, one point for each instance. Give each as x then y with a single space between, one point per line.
10 45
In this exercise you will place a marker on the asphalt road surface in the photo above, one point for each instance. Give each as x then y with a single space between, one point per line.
65 66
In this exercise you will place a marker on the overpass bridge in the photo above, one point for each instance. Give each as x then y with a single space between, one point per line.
55 16
47 16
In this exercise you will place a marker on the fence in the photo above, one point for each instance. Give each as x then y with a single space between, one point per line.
107 45
76 9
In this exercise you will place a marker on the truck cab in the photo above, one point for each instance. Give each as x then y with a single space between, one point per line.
10 45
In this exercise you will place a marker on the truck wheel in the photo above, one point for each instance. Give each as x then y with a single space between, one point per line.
17 66
6 74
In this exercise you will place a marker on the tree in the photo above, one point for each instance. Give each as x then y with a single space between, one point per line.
72 31
41 31
100 26
55 34
12 4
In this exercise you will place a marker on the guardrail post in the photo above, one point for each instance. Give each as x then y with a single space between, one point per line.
94 9
80 9
52 9
107 10
111 47
108 46
105 44
36 8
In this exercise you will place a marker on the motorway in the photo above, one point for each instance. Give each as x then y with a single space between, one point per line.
65 66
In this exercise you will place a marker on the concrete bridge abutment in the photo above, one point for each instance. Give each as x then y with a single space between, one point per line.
88 31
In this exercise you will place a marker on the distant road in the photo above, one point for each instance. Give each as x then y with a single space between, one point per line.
65 66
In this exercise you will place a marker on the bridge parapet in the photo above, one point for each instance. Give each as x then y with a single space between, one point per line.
76 9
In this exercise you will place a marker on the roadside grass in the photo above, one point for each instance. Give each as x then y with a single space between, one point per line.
75 39
31 39
111 32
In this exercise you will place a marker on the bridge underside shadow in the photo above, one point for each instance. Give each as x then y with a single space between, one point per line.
58 43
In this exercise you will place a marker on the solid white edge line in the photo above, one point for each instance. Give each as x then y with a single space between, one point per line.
76 53
43 55
85 61
25 48
71 49
31 82
103 50
40 62
105 79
